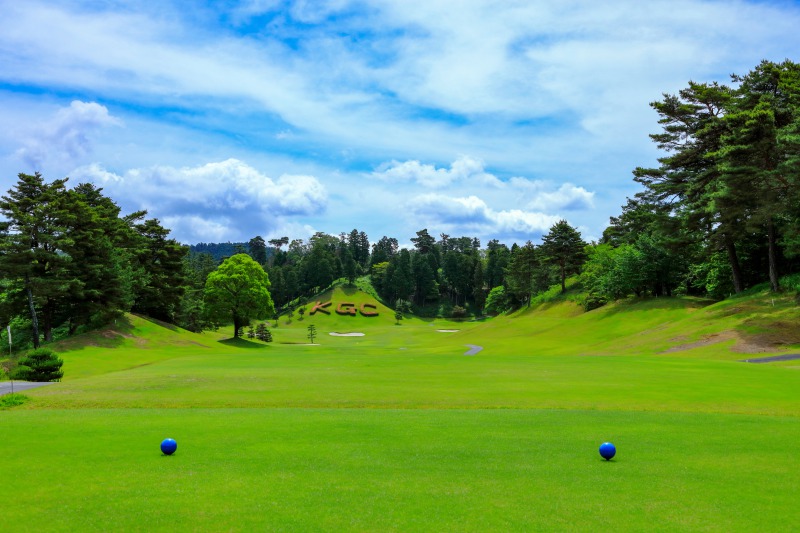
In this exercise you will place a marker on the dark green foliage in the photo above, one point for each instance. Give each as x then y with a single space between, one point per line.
384 250
728 186
312 333
217 250
258 250
458 312
521 272
496 301
160 290
41 364
563 247
69 260
263 333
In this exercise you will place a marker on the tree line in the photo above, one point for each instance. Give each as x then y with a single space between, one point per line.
70 260
721 211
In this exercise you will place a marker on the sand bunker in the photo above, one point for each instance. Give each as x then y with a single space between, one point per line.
447 330
346 334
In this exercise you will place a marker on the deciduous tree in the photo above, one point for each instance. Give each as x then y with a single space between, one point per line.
238 290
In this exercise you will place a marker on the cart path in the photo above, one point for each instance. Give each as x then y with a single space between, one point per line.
5 386
787 357
473 349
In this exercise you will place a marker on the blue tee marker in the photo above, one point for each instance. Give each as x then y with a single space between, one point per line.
168 446
607 450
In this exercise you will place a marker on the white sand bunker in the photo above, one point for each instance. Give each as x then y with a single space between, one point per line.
447 330
346 334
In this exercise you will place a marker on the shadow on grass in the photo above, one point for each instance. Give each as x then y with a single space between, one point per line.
167 325
243 343
637 304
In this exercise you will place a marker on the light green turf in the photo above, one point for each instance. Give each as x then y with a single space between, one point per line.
388 470
399 430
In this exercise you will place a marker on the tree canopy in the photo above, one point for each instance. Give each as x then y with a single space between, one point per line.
238 290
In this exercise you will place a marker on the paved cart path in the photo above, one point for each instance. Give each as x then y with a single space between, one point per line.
473 349
787 357
5 386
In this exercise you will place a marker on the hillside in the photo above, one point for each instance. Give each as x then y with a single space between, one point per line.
754 323
735 329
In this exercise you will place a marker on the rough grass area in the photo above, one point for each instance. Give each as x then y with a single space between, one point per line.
7 401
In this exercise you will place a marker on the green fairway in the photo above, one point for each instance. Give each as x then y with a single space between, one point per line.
399 430
308 469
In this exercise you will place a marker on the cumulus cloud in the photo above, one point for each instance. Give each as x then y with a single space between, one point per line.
219 200
462 169
66 137
567 197
473 214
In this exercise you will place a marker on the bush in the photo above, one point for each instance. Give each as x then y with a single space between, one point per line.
459 312
496 301
40 365
594 301
8 401
791 282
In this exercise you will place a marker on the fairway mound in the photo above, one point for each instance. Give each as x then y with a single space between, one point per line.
448 330
354 334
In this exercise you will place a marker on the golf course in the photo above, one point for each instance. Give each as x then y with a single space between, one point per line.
406 427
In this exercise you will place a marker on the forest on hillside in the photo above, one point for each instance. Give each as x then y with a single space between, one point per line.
719 214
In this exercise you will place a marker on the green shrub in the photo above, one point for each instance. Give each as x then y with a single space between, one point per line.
8 401
594 301
791 282
40 365
496 301
458 312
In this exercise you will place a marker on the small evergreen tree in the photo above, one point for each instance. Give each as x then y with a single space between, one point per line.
263 333
41 364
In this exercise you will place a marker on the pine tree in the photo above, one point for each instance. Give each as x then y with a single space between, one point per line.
563 246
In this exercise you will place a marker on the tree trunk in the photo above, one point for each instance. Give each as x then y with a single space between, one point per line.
773 257
736 270
47 321
34 320
563 278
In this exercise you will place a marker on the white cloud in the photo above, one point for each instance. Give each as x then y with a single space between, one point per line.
462 169
567 197
66 137
193 228
220 198
472 214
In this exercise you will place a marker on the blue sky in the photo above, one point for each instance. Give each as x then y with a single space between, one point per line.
474 118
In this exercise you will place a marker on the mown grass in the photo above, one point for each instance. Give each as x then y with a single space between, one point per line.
398 430
388 470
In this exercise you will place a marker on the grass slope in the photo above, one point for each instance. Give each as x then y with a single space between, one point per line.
398 430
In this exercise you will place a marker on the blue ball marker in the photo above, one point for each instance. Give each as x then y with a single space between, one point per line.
168 446
607 450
